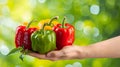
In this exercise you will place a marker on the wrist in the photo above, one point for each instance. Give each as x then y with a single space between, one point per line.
84 52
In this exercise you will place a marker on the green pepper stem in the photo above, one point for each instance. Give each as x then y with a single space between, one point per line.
54 18
63 22
49 24
30 23
44 26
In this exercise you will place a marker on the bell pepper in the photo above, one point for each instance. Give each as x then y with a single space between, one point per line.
64 34
22 37
42 22
43 40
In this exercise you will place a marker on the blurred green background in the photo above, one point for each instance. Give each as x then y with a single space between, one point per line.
94 21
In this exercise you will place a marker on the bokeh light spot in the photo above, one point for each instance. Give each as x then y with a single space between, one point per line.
32 3
8 22
70 18
4 49
26 16
87 30
77 64
95 9
68 65
79 25
42 1
3 1
96 31
17 66
91 31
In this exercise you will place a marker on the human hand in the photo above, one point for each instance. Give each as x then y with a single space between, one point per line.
68 52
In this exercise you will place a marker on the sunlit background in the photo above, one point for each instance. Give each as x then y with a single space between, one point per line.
94 21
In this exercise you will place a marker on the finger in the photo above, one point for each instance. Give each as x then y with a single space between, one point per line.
70 55
40 56
55 54
61 55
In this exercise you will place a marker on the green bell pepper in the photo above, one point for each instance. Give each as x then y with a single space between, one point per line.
43 40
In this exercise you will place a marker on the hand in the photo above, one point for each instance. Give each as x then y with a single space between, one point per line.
68 52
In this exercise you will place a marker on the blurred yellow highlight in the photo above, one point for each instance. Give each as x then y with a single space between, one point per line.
42 63
97 63
88 23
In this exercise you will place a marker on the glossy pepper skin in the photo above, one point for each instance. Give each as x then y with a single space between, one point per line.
44 40
64 35
23 36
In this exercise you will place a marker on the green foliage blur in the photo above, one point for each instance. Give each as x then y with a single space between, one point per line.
94 21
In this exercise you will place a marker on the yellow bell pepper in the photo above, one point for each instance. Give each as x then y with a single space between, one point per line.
42 22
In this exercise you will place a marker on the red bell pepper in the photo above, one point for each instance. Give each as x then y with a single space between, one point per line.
23 36
64 34
23 40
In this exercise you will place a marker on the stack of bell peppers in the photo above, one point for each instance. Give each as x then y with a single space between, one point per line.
42 39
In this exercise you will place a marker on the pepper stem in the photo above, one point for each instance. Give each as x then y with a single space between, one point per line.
44 26
54 18
30 23
63 22
49 24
